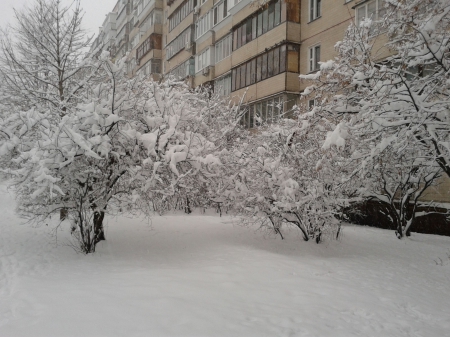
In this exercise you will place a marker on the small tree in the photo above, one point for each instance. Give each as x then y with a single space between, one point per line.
41 56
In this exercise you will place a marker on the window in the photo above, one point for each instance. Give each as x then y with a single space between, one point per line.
180 13
180 42
142 4
220 12
374 10
266 65
135 40
184 70
151 67
266 19
271 15
222 85
267 111
270 64
233 3
253 71
203 25
153 18
131 65
314 58
152 42
202 60
223 48
314 9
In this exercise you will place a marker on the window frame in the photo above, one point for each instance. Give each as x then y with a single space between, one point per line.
313 60
315 9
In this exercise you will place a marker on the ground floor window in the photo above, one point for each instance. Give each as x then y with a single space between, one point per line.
269 110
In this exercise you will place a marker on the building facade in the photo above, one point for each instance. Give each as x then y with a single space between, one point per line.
240 48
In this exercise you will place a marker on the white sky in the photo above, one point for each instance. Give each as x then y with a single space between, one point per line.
95 11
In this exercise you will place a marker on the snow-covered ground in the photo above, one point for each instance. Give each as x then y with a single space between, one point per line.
205 276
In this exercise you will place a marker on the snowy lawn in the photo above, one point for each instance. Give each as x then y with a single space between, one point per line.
204 276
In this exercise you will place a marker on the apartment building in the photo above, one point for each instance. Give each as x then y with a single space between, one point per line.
250 48
239 48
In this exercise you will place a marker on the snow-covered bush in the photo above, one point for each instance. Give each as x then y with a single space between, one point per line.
280 175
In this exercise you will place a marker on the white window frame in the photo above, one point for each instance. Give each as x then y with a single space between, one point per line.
315 9
203 24
203 59
313 58
223 48
379 7
219 9
222 85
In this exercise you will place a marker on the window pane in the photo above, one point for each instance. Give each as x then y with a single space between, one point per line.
271 15
381 9
318 8
254 27
317 57
361 14
276 108
249 30
253 71
258 68
283 59
270 64
264 111
260 22
265 18
244 35
371 10
238 78
251 122
269 110
276 61
239 37
233 80
264 67
277 13
248 73
243 76
235 39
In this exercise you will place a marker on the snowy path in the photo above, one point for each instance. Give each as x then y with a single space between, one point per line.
203 276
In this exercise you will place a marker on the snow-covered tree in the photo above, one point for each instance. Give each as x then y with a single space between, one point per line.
396 183
393 98
41 56
129 145
393 111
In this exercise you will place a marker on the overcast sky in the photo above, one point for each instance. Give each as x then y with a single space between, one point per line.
95 11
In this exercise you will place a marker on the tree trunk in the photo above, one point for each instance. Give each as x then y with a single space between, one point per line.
99 233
